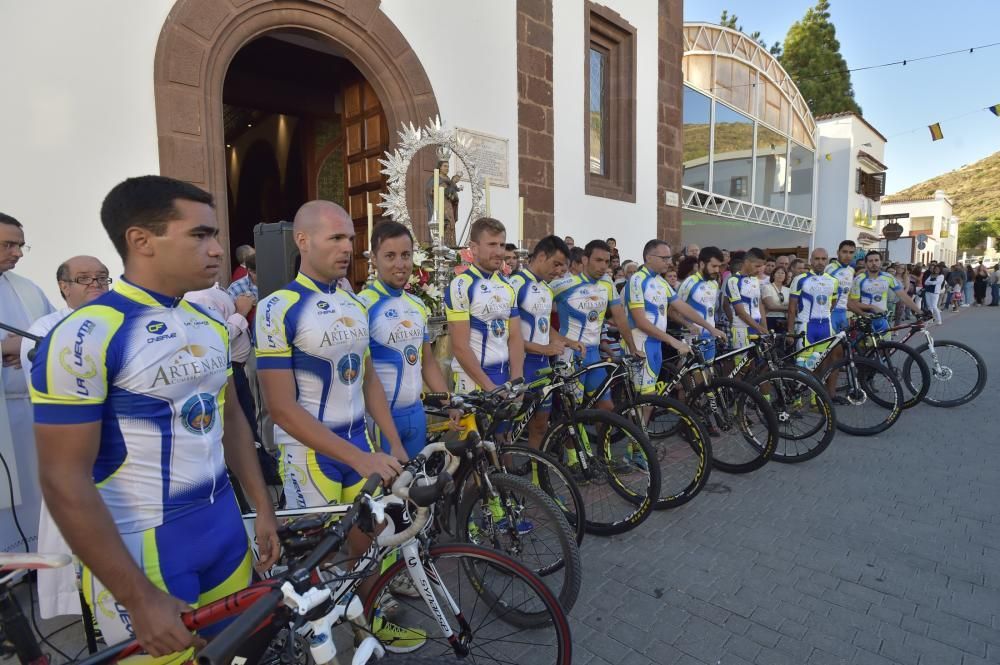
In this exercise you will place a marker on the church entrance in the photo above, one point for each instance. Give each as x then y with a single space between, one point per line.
300 123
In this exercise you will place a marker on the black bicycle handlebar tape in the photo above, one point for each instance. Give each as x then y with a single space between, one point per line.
425 495
220 650
439 400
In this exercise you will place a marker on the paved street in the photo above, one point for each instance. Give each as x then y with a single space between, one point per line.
882 550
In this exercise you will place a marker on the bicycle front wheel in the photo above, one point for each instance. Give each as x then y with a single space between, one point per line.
680 446
867 397
907 365
742 425
519 520
551 477
490 602
958 373
806 423
607 457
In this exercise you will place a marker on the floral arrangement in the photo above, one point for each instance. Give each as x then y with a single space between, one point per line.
422 282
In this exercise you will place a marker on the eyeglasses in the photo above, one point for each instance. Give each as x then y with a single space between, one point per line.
10 244
87 281
661 256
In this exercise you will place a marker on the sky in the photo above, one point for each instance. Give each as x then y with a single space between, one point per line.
900 101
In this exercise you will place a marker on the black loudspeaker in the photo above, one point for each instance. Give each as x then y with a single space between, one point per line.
277 256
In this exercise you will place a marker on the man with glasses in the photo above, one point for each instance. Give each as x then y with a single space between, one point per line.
81 279
21 304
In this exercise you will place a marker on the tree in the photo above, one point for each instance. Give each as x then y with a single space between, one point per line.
974 234
727 20
811 56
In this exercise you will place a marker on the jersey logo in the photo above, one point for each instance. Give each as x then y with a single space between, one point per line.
323 305
198 413
661 309
878 298
391 314
156 327
349 368
411 355
498 327
821 299
543 325
483 287
592 315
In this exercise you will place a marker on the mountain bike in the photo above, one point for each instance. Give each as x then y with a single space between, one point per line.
902 360
957 371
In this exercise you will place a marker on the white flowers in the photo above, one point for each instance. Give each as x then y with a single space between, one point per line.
431 291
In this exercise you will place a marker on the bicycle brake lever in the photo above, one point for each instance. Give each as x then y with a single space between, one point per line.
378 511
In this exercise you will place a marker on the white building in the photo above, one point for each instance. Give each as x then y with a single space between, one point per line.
932 223
851 181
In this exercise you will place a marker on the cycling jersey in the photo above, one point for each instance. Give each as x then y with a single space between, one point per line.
816 295
582 304
397 324
844 274
869 290
745 290
534 304
153 370
652 293
702 294
488 303
320 332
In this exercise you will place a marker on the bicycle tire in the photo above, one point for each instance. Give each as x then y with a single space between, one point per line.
750 405
553 478
911 370
811 396
557 651
634 503
516 493
681 447
942 373
411 659
865 368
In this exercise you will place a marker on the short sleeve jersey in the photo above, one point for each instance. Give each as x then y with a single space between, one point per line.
816 295
582 304
320 332
702 294
874 290
744 290
397 326
152 370
844 274
534 303
488 303
651 293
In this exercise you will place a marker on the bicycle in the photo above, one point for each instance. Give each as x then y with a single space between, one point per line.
742 426
860 382
902 360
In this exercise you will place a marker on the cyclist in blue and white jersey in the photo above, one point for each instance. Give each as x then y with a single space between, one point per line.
842 269
318 382
651 301
870 292
742 291
534 303
400 346
700 290
483 319
582 302
813 296
129 395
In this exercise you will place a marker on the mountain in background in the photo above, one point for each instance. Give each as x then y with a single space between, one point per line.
974 189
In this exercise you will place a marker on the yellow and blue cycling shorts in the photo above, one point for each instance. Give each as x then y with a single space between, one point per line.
311 479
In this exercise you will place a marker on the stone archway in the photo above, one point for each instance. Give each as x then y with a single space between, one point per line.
199 39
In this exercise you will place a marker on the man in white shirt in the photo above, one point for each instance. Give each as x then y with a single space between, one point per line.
81 279
21 304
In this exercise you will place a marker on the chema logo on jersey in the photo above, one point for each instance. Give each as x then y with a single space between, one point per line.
349 368
411 354
158 330
323 305
198 413
498 327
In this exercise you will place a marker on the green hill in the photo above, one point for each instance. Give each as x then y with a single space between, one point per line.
974 189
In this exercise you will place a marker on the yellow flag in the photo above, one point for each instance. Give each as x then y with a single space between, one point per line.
936 133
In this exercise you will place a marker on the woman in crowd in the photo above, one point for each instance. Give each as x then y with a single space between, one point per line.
687 266
933 286
980 282
775 294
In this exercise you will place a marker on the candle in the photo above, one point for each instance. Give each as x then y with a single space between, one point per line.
441 215
371 224
520 219
437 204
486 188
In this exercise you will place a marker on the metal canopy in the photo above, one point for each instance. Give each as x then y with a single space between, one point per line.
723 206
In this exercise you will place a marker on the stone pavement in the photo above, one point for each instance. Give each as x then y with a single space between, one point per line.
882 550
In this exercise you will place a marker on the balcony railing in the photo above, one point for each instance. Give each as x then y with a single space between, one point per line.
724 206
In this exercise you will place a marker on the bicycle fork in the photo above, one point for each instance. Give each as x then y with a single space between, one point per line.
428 583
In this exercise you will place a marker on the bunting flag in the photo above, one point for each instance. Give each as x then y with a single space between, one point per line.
936 133
995 109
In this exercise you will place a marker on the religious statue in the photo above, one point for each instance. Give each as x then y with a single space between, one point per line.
451 190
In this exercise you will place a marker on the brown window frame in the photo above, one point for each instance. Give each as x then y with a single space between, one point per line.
606 31
870 185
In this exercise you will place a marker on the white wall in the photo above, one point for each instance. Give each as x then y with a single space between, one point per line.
77 117
588 217
469 51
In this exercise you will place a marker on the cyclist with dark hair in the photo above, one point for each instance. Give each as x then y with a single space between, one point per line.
700 290
129 393
742 290
870 292
583 302
841 269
